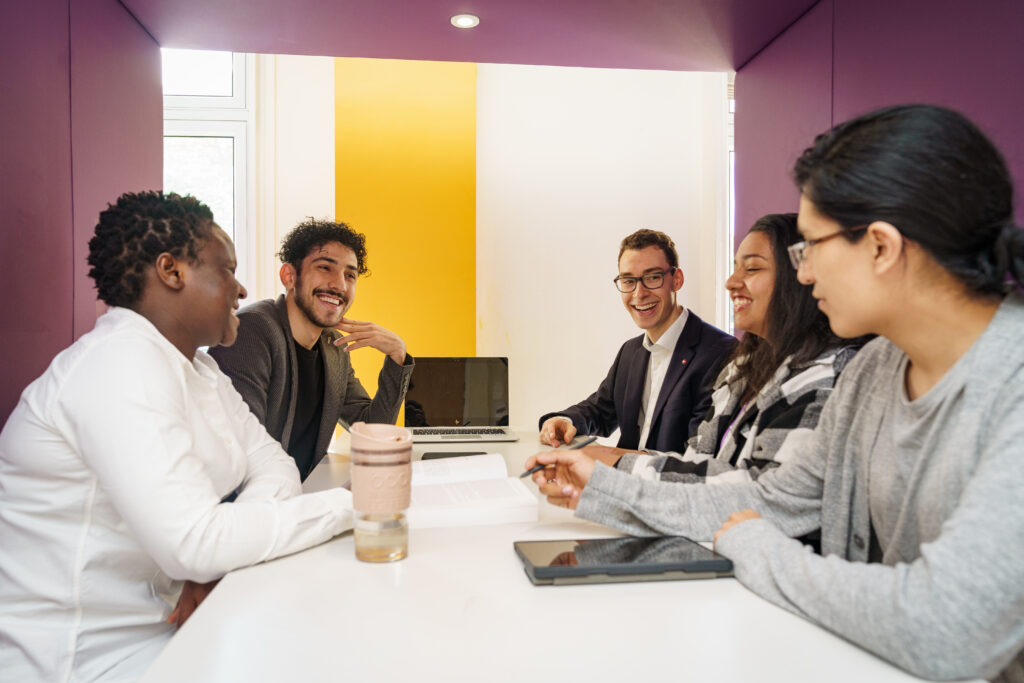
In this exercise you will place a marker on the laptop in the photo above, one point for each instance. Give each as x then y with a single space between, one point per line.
458 399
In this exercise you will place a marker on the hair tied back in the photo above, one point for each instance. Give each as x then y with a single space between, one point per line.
1009 252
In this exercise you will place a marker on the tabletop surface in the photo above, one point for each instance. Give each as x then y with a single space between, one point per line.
460 607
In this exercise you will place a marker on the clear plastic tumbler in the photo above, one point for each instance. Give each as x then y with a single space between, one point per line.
381 475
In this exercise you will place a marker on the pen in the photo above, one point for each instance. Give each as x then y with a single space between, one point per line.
537 468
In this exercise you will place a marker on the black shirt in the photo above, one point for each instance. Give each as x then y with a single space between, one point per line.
308 408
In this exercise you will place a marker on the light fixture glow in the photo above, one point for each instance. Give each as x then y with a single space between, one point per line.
465 20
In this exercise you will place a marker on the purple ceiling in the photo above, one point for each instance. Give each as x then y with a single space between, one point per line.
689 35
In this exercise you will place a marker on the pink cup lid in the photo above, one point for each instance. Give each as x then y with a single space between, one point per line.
379 437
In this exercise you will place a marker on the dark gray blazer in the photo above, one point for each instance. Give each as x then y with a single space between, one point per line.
685 395
262 367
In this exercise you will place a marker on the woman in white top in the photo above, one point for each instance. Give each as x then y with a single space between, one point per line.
132 464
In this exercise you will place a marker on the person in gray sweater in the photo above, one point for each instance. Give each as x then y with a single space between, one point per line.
913 473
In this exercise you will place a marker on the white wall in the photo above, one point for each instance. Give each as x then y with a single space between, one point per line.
570 161
294 159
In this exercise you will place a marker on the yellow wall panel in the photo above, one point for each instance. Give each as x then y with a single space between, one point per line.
405 156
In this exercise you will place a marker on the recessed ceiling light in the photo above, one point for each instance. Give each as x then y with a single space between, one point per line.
465 20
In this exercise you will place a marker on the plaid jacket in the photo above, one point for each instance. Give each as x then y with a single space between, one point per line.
784 413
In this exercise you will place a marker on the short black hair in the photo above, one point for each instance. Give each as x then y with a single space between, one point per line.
931 173
643 238
134 231
313 233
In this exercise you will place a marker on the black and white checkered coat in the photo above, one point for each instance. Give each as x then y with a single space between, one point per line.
784 413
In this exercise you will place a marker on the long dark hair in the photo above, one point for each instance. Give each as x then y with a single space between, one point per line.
932 174
794 325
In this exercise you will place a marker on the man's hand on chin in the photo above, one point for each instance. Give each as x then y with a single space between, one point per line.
360 333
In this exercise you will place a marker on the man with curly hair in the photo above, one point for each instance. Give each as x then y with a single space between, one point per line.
131 465
287 363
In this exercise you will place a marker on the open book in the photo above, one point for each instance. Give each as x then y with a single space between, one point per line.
467 491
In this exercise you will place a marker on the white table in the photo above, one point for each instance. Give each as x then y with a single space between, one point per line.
460 608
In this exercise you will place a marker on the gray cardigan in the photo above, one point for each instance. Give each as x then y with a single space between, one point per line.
262 366
949 607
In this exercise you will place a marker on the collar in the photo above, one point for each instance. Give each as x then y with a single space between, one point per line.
668 340
117 317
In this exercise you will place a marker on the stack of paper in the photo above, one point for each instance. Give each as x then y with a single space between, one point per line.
467 491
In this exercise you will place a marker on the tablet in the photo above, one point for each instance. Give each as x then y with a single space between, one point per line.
613 560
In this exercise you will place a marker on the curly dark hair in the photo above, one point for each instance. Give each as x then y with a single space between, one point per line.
136 229
795 328
643 238
313 233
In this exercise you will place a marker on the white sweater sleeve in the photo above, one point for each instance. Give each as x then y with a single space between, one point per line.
126 411
270 472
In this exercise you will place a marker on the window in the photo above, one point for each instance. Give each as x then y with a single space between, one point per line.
203 78
208 125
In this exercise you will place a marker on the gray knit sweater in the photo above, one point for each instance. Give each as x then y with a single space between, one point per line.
947 601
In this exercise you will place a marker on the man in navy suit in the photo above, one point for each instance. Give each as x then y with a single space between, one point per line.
660 381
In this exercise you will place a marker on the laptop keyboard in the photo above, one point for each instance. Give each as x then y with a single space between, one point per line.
483 431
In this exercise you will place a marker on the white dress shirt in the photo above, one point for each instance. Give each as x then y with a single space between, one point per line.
661 355
112 470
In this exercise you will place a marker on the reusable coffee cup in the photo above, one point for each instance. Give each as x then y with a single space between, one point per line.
381 475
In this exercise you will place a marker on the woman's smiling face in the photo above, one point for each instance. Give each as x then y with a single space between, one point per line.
752 282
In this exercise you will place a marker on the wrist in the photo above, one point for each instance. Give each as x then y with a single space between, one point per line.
606 454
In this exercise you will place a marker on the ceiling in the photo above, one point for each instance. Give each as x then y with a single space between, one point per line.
686 35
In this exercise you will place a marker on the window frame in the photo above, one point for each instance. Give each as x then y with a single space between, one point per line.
241 63
234 117
236 130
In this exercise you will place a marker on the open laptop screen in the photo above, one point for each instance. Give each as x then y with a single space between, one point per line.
450 392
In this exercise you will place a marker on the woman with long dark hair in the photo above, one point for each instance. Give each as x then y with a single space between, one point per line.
769 396
914 471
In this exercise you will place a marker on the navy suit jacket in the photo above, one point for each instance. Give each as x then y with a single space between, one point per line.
684 398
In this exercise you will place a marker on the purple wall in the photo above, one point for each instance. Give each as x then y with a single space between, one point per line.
783 99
964 55
51 59
35 192
116 126
879 52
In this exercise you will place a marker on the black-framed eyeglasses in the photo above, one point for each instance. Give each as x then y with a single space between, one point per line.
653 280
798 251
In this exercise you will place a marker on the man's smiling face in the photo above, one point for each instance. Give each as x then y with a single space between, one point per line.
651 309
326 283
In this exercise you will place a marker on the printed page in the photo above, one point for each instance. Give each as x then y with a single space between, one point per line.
468 468
469 503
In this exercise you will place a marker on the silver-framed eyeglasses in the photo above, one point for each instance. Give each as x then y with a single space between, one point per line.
798 251
652 280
